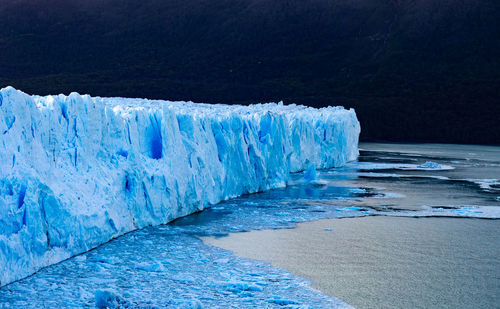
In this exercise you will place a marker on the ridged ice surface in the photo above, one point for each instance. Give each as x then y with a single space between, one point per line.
77 171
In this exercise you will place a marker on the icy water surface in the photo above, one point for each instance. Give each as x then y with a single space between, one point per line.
169 266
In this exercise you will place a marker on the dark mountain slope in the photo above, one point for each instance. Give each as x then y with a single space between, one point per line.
426 70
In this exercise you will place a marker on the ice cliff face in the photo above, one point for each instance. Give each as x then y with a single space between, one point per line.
76 171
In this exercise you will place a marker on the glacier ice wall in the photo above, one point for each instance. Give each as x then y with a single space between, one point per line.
77 171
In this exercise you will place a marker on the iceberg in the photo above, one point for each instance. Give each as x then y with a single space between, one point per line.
310 174
77 171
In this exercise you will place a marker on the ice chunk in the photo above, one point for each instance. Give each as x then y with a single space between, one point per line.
310 173
77 171
430 164
108 299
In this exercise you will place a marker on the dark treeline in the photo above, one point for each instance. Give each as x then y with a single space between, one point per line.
416 70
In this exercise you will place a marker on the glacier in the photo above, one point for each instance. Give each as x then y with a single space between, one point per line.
77 171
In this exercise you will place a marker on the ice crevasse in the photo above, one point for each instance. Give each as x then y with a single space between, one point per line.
77 171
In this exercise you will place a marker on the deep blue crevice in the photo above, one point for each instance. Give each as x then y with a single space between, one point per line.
128 134
155 139
122 153
75 130
112 224
22 195
129 184
9 121
64 111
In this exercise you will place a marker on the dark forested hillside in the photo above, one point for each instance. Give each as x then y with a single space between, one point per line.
416 70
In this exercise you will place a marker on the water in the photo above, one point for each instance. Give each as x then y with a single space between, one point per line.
474 179
169 266
387 262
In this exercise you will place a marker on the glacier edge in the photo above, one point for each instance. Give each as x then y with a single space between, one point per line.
77 171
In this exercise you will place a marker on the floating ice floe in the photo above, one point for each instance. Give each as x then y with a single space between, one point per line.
489 185
484 212
427 166
391 175
430 165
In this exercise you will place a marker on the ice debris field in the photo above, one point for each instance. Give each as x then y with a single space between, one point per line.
77 171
